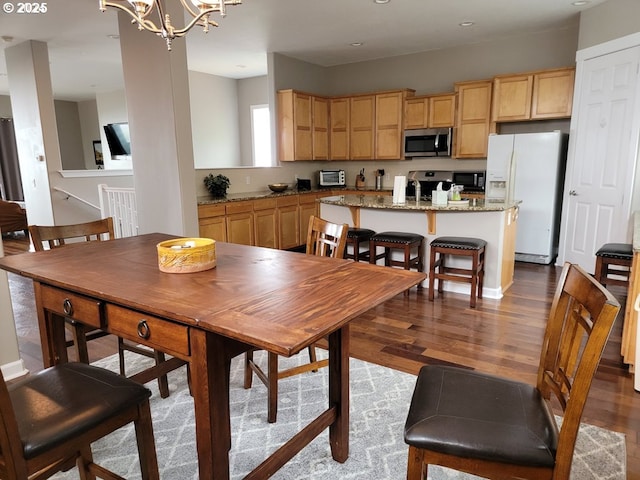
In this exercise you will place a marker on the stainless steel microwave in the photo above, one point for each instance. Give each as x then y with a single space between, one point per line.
428 142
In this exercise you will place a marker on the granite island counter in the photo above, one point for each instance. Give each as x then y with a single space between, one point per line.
494 222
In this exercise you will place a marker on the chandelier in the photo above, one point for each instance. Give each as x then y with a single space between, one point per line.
140 10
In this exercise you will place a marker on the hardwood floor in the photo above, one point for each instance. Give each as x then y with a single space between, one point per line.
500 336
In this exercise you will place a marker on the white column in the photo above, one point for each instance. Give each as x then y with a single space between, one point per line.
34 120
157 92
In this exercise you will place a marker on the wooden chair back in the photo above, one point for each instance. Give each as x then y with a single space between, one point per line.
580 321
326 239
57 235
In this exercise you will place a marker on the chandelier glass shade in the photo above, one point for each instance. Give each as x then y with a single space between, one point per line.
141 11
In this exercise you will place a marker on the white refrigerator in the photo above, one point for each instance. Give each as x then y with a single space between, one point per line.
530 167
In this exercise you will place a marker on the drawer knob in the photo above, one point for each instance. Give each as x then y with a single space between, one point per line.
67 306
143 329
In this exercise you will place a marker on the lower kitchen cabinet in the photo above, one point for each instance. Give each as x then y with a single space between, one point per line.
240 228
212 222
265 222
288 222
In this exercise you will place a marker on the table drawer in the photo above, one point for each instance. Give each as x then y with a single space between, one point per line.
148 330
84 309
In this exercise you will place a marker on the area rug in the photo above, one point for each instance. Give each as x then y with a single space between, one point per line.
379 401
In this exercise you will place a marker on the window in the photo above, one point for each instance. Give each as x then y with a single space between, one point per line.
261 135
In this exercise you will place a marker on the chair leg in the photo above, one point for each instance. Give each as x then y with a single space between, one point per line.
121 356
80 341
248 372
163 383
146 443
83 462
416 469
272 388
432 273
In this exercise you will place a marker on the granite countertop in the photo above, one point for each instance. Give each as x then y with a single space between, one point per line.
386 203
238 197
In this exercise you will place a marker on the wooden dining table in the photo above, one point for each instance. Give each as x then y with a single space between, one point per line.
255 298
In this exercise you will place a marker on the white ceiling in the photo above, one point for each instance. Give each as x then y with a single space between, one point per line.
84 60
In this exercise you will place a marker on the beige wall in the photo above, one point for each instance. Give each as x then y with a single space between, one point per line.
608 21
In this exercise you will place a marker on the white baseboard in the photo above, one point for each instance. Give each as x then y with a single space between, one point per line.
13 370
466 289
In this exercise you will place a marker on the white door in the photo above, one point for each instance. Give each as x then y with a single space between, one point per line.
602 153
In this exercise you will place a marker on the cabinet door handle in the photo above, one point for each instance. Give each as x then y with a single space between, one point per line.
67 307
143 329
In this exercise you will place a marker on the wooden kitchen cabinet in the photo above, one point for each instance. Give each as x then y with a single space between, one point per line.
212 221
320 128
265 223
295 136
473 122
362 127
553 94
416 112
239 222
533 96
431 111
442 110
288 222
340 128
389 126
308 207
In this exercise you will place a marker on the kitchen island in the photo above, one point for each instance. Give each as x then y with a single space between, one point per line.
494 222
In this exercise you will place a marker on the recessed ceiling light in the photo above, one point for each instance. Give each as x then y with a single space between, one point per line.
579 3
113 36
381 2
356 44
466 24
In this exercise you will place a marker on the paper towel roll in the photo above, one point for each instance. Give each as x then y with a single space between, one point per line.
399 189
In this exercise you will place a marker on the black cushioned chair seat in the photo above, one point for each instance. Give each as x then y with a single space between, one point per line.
360 233
397 237
463 243
616 250
106 392
482 431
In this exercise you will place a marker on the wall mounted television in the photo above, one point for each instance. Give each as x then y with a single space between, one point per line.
118 138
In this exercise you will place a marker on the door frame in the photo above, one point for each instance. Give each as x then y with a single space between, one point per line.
631 201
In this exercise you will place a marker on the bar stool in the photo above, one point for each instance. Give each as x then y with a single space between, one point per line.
406 242
356 236
458 247
618 254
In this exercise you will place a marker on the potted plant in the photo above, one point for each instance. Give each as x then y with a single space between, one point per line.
217 185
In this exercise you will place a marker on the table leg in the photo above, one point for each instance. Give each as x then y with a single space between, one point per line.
210 371
339 392
51 328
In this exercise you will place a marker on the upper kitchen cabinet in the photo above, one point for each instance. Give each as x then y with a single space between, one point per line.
320 128
389 126
362 126
430 111
303 126
340 128
442 110
533 96
553 93
473 122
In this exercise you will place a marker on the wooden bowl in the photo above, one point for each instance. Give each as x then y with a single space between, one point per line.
278 187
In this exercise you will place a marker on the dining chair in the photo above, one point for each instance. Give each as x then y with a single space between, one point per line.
99 230
49 420
496 427
324 239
